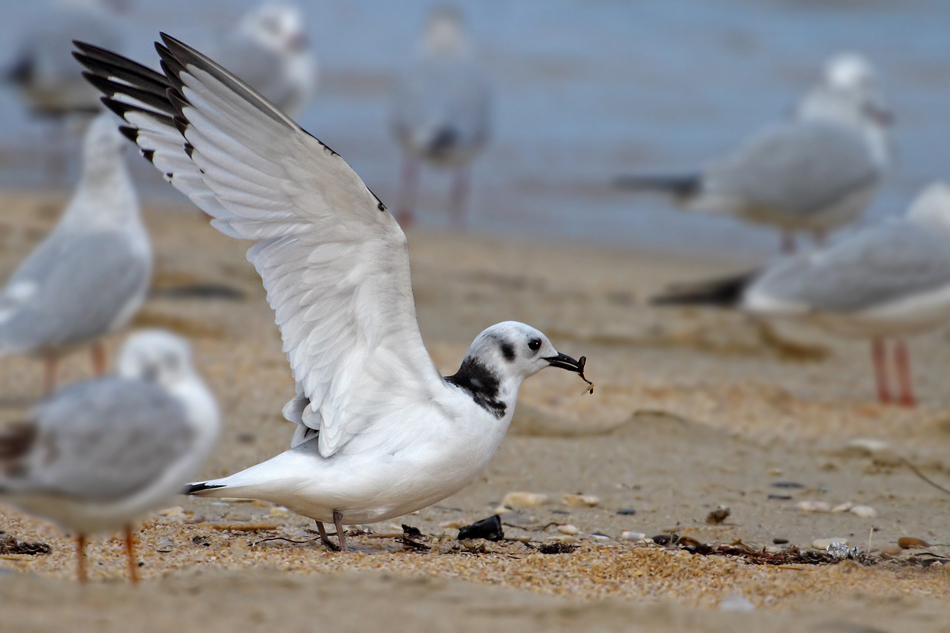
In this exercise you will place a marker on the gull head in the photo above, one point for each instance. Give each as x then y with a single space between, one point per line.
103 146
516 351
931 207
277 27
445 33
848 93
156 356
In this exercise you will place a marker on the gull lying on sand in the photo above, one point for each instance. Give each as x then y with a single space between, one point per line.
883 282
99 454
441 111
815 173
380 432
89 277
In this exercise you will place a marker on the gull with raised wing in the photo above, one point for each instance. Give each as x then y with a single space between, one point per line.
380 432
89 277
441 111
815 173
99 454
884 282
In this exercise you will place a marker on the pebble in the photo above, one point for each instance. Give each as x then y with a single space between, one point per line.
892 551
736 602
909 542
632 536
164 546
865 512
567 529
580 500
787 484
562 538
524 499
627 511
814 506
878 450
454 524
781 497
780 541
599 536
823 543
844 507
279 511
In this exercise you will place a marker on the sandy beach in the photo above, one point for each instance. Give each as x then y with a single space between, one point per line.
692 410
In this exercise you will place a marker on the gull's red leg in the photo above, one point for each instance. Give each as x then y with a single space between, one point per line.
904 378
879 357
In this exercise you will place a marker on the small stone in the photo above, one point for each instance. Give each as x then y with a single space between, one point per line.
567 529
561 538
524 499
627 511
892 551
580 500
879 451
824 543
844 507
455 524
523 538
176 512
865 512
780 497
814 506
632 536
164 546
909 542
775 472
736 602
279 511
780 541
787 484
599 536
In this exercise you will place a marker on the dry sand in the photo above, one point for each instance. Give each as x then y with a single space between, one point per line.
692 410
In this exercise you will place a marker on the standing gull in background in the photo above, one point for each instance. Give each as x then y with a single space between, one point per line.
441 112
91 274
271 52
380 432
101 453
815 173
883 282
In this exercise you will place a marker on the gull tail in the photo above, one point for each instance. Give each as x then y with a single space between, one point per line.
680 186
725 292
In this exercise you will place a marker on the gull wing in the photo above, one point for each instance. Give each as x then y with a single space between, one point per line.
334 262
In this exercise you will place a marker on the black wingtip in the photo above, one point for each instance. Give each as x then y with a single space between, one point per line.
191 489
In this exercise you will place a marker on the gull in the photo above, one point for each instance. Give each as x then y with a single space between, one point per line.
99 454
380 432
881 283
90 275
270 51
42 70
816 172
441 111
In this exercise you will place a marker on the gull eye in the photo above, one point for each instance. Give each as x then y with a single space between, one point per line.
534 344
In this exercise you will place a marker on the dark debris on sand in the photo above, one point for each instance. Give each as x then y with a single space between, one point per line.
9 545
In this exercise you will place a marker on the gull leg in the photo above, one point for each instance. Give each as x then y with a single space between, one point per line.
81 558
49 374
407 194
904 379
323 536
130 552
460 188
879 357
788 242
98 354
340 534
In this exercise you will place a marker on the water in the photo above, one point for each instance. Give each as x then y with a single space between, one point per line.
586 91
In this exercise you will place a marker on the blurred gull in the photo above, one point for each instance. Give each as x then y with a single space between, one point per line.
42 69
90 275
441 111
270 51
815 173
380 432
101 453
884 282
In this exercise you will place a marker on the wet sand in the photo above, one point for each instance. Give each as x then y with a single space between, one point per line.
692 410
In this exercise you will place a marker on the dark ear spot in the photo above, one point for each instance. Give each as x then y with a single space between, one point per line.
508 351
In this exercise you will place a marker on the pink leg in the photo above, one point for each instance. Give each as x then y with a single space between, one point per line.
788 242
460 188
904 379
407 196
49 375
98 353
130 552
879 356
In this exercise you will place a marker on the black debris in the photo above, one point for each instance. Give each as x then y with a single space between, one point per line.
629 511
489 529
780 497
718 515
556 547
10 545
787 484
410 531
779 541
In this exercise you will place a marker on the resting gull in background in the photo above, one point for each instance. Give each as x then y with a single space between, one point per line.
270 51
99 454
380 432
89 277
883 282
441 111
815 173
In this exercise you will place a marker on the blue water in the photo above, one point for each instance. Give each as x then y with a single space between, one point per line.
585 91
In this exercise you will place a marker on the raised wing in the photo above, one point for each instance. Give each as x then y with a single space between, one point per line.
334 262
